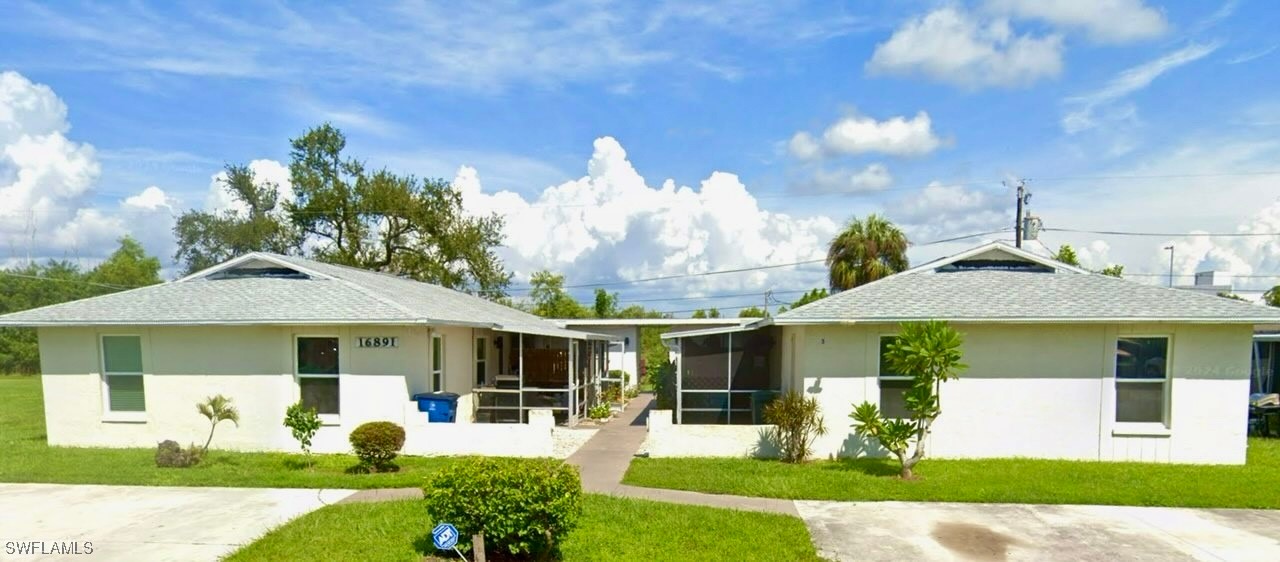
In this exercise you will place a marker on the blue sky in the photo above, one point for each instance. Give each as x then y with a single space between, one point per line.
781 121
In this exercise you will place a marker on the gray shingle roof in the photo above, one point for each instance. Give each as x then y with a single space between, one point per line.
334 295
1064 295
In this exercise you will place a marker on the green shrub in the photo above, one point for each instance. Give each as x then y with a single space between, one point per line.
169 454
611 392
599 411
929 352
797 422
620 375
524 507
303 423
377 444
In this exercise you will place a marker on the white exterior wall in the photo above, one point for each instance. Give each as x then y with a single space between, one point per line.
1043 391
666 439
254 366
1040 391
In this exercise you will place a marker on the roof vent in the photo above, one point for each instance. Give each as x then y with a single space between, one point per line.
996 265
259 272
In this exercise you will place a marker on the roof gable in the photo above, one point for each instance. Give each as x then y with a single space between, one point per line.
263 288
998 283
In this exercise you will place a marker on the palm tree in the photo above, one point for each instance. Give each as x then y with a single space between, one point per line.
217 409
866 250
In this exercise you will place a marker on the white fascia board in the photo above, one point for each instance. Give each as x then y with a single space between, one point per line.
1030 320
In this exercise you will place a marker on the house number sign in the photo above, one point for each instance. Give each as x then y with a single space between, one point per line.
377 342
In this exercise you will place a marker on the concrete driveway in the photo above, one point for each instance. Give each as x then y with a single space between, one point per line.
143 523
959 531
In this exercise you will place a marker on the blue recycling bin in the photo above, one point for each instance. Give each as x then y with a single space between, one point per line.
441 407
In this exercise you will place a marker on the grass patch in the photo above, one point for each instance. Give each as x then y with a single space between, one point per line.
986 480
27 458
611 529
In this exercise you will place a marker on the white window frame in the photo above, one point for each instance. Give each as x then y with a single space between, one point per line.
880 389
482 363
325 419
437 375
109 415
1162 427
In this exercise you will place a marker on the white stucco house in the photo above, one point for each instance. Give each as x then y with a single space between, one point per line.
126 369
1063 364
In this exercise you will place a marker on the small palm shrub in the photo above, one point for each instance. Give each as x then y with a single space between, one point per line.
217 409
169 454
797 422
523 507
377 444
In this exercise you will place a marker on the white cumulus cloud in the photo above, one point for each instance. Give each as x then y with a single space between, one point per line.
265 172
956 47
874 177
1103 21
941 210
612 224
860 134
47 179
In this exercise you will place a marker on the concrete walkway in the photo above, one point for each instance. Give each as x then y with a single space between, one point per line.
126 523
603 461
891 531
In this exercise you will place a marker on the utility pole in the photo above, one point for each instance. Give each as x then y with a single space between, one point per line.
1170 248
1024 197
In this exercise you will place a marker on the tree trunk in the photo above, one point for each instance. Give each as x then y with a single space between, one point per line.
210 439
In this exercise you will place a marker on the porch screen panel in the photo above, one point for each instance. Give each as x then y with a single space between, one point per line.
704 379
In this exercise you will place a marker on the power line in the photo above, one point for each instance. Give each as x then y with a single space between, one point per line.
1251 276
747 269
1154 176
60 280
1161 234
710 297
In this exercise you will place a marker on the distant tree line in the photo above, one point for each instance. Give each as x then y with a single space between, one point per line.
40 284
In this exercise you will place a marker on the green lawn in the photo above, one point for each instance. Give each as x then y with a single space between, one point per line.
1253 485
610 529
26 458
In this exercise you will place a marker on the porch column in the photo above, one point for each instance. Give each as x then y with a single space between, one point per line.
679 373
728 380
573 383
520 379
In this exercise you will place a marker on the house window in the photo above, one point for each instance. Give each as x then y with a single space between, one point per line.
318 373
437 363
482 360
893 386
1142 377
122 372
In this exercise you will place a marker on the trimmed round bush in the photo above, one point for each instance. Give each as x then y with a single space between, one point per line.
524 507
377 444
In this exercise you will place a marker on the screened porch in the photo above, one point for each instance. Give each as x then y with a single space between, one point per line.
534 371
728 377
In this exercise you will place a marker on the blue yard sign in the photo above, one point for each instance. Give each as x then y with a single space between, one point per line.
445 536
